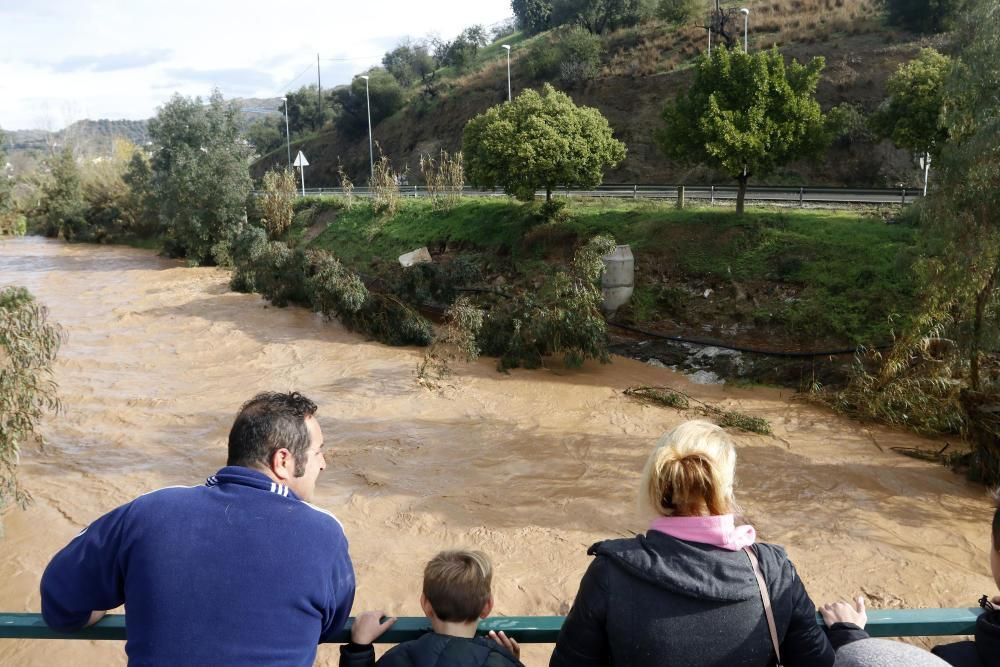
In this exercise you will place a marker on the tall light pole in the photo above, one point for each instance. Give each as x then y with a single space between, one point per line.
746 29
507 46
288 137
371 152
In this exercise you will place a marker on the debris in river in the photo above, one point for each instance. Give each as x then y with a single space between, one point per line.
679 400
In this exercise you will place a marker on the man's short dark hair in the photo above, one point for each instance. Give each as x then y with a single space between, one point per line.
268 422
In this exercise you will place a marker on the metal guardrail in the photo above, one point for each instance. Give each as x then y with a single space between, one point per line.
527 629
703 193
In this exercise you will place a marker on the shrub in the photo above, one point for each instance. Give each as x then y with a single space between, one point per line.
677 12
276 203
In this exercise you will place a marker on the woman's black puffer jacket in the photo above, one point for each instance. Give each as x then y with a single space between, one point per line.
657 600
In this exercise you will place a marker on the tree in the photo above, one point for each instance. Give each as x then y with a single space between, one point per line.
539 141
267 134
28 347
924 15
277 201
912 114
62 204
305 111
409 63
677 12
600 16
461 52
201 174
532 15
7 212
386 99
746 114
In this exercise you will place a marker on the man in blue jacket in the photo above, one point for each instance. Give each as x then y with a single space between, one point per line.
242 570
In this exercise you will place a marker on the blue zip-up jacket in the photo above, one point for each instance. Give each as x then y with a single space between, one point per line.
236 572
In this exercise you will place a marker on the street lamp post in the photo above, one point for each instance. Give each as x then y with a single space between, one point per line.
746 29
371 152
507 47
288 136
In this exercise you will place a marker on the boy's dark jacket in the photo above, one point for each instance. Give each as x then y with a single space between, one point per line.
432 650
657 600
984 652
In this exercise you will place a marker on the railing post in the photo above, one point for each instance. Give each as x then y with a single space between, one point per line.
801 193
902 199
712 197
680 196
635 192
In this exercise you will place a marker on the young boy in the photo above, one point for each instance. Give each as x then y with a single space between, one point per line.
456 596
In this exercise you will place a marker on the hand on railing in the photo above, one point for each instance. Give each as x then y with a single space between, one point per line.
369 626
845 612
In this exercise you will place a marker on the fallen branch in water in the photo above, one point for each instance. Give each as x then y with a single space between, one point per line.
679 400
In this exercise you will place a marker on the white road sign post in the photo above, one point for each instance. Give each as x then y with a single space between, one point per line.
301 162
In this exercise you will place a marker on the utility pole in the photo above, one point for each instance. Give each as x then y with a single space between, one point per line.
319 96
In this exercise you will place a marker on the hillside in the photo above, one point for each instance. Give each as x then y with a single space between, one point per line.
642 68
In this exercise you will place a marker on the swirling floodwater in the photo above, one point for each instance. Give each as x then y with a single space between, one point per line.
531 467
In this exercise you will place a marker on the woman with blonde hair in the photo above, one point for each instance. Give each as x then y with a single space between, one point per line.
696 589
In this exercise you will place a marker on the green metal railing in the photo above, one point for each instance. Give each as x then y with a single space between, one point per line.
527 629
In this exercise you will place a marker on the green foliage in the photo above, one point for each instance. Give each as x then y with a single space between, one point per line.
847 125
200 174
410 63
28 347
455 342
600 16
677 12
679 400
924 15
562 316
276 202
62 206
532 16
140 211
305 112
386 99
912 114
315 278
267 134
11 222
461 52
573 56
746 114
539 141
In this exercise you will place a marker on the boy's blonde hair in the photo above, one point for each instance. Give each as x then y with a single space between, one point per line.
457 584
692 469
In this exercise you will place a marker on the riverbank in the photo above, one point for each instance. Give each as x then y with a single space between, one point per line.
781 280
530 466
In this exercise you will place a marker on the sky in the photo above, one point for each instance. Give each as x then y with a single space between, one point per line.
65 60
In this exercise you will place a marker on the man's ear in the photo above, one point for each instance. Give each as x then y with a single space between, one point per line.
283 464
487 608
425 604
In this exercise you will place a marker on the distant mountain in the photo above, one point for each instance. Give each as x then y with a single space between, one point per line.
93 138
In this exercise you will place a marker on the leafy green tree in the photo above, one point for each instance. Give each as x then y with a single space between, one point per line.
29 343
539 141
600 16
62 205
305 112
410 63
746 114
267 134
7 211
678 12
532 15
912 114
386 99
140 204
924 15
201 174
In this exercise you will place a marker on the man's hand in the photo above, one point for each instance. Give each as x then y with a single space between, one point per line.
845 612
508 643
95 616
368 627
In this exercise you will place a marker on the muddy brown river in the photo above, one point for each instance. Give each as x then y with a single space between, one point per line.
531 467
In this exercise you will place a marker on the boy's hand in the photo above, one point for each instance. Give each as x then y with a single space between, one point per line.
368 627
845 612
508 643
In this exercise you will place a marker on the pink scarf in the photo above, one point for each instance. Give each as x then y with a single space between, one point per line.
720 531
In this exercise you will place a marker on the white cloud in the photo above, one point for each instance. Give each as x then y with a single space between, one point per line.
64 60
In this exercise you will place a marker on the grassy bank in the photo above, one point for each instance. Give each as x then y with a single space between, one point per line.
802 276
